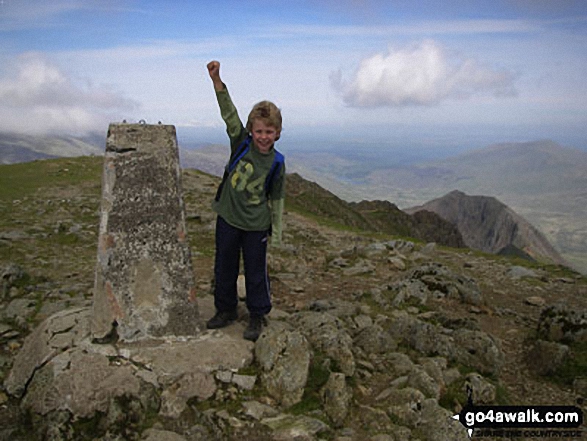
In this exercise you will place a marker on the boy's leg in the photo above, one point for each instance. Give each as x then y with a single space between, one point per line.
226 266
256 276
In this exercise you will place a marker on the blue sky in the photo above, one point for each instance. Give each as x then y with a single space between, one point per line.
432 74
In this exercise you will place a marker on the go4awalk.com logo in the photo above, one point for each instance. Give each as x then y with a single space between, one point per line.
522 421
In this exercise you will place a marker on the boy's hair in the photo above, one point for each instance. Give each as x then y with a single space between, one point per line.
268 112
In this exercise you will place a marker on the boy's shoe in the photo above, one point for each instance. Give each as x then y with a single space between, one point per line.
222 319
255 327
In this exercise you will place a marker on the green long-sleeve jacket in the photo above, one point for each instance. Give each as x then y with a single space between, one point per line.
243 202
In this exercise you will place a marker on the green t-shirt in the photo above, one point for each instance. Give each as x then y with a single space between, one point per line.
243 202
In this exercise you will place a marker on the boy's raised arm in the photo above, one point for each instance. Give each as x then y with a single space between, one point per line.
214 72
234 127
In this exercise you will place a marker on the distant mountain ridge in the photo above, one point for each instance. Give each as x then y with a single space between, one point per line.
15 148
488 225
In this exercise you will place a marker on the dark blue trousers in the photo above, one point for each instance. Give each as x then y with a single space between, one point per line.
229 243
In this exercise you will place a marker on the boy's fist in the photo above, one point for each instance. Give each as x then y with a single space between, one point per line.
214 69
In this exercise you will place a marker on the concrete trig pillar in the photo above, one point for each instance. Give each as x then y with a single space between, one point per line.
144 284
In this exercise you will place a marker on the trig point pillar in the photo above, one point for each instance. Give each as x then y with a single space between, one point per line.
144 283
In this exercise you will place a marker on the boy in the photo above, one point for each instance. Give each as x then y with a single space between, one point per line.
249 204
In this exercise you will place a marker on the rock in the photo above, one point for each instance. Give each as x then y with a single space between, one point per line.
519 272
419 379
295 428
435 280
374 340
9 275
396 263
55 335
258 411
472 348
535 301
436 424
561 324
336 398
374 420
405 406
174 399
328 335
360 268
81 383
161 435
483 392
245 382
19 308
547 357
479 350
284 358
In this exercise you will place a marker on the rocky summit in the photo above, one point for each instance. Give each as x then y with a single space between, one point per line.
373 335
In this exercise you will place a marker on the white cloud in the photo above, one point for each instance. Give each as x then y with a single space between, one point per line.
37 96
421 74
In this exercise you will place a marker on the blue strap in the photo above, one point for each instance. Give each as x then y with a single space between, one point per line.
278 160
240 151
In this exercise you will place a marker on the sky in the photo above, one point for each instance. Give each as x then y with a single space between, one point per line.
431 74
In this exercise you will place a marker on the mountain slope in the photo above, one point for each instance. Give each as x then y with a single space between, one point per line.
488 225
376 216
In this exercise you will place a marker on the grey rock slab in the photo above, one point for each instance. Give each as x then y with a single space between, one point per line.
290 428
284 357
208 353
161 435
197 384
258 411
84 385
56 334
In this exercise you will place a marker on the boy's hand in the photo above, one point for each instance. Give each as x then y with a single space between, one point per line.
214 72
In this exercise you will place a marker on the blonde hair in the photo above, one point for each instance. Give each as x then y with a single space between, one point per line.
269 113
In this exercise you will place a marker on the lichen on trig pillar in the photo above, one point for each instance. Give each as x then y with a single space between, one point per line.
144 284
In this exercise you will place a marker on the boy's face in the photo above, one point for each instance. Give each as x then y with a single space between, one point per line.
264 135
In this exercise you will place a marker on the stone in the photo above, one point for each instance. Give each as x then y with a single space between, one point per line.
483 392
535 301
373 419
84 384
469 347
405 406
258 411
298 428
396 263
161 435
519 272
436 423
336 398
284 358
144 284
52 336
419 379
374 340
174 399
327 334
547 357
560 323
245 382
10 274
